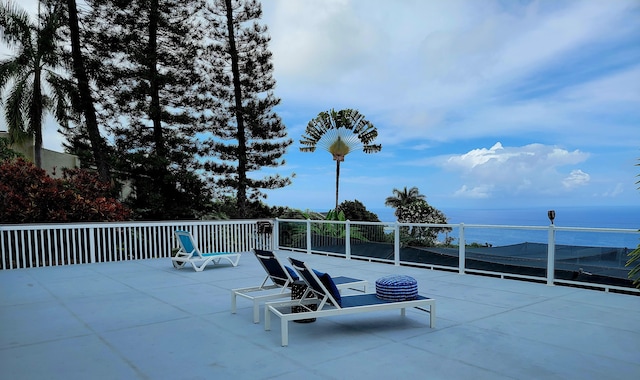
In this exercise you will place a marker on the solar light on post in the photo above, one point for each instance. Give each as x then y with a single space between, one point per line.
551 249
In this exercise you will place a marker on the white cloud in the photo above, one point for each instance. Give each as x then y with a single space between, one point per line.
430 77
616 191
532 157
477 192
529 169
576 178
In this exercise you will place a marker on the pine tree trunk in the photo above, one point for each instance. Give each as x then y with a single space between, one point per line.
241 188
98 145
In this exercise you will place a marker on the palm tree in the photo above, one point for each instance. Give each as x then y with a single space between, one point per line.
36 61
403 198
340 133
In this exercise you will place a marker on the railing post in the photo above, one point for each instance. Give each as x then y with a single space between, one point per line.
551 255
276 235
396 245
461 249
92 245
309 236
347 237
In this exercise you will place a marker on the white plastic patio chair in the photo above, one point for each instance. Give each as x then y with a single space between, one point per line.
190 254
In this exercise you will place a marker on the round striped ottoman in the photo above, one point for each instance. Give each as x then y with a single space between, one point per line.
397 288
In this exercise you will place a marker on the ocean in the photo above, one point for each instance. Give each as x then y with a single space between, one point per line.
627 217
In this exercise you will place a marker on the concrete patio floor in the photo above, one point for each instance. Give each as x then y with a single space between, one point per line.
146 320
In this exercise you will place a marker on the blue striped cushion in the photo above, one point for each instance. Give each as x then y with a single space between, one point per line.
397 288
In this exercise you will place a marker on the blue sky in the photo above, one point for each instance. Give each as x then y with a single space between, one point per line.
478 103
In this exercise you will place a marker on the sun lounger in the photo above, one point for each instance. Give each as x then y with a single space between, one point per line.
279 279
329 302
190 254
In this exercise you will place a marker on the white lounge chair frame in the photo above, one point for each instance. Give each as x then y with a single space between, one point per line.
279 278
190 254
328 306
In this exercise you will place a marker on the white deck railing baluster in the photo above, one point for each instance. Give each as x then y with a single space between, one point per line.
25 246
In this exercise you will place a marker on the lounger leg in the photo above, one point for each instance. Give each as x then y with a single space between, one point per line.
233 302
267 319
284 327
432 315
256 312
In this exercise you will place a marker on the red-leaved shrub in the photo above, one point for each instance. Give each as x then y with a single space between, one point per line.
29 195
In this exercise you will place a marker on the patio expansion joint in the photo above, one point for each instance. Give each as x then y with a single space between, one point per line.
96 333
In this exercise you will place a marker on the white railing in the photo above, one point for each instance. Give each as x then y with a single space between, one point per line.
385 242
33 245
26 246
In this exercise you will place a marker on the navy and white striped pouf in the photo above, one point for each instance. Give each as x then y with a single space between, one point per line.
397 288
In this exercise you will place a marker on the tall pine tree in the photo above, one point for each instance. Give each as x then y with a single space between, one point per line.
83 135
246 134
143 57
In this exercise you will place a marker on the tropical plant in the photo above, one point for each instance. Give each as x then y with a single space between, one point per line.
35 85
340 133
411 207
356 211
7 153
634 258
634 273
337 230
403 198
420 211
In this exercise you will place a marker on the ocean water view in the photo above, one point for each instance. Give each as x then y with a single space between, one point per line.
618 217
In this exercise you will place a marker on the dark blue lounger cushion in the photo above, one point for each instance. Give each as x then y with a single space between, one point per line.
292 273
328 283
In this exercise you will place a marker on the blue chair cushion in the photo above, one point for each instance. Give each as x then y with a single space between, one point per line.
397 288
292 273
328 283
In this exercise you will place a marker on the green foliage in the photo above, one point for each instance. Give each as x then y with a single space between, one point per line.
29 195
37 63
403 198
166 195
420 211
634 273
226 208
244 134
634 258
336 230
356 211
411 207
142 58
7 153
337 216
293 213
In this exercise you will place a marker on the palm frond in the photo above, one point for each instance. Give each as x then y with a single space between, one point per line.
16 24
340 132
372 148
14 112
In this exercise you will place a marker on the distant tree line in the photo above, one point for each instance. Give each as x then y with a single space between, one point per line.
173 98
